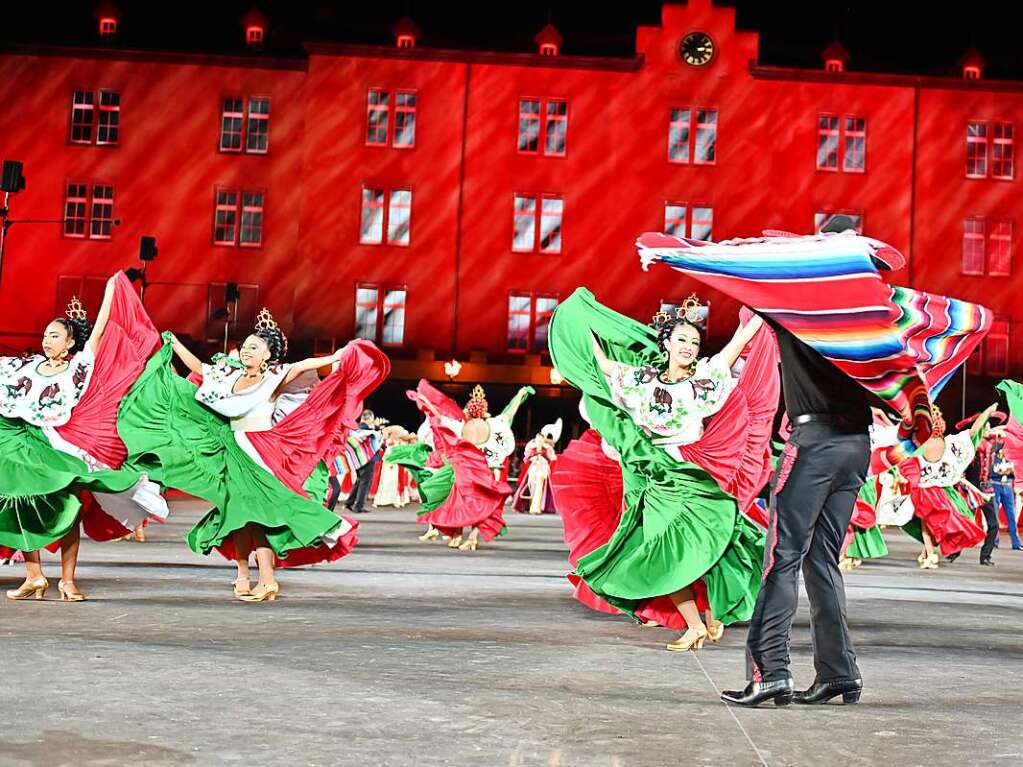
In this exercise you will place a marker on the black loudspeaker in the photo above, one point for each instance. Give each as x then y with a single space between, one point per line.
12 180
231 292
147 248
838 223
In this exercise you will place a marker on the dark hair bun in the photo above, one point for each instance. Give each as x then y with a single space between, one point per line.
275 341
78 330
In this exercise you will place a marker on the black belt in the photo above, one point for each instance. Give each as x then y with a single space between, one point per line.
829 418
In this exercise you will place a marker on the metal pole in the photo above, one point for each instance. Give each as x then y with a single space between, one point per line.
4 226
142 289
230 308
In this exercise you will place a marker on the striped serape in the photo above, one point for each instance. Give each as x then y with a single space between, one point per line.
357 450
901 344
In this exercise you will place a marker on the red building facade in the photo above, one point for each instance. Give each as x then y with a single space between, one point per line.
442 202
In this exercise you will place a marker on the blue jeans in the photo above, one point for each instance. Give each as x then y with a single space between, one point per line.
1005 499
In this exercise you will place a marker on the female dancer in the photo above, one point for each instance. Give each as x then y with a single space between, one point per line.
458 481
492 435
939 491
393 482
58 437
534 491
449 432
681 545
223 442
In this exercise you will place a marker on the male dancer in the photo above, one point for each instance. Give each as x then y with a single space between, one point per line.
814 490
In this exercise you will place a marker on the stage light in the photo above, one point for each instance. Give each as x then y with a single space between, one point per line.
452 369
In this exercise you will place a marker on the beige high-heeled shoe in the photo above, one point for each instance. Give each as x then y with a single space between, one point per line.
267 593
36 586
468 545
715 630
68 596
455 542
692 640
430 535
928 563
241 590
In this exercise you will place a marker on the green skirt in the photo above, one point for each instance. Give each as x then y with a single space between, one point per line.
678 526
182 445
867 544
434 486
40 486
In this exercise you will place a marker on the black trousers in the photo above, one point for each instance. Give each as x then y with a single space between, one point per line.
360 490
333 492
991 519
815 488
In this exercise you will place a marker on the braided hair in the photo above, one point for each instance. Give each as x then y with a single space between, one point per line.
275 341
78 330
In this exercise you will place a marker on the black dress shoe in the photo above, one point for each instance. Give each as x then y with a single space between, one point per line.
987 562
779 691
822 692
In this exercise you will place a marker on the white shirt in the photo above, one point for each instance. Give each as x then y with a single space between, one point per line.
40 399
248 410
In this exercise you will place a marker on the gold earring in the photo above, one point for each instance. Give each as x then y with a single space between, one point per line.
64 354
264 367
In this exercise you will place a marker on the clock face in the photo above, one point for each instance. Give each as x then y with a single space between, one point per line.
696 49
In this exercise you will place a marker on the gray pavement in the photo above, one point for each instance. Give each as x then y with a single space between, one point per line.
412 654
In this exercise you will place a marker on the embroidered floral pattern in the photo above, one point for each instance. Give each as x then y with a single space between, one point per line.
217 382
674 410
40 399
950 468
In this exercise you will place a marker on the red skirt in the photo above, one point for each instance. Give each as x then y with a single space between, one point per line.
938 512
476 498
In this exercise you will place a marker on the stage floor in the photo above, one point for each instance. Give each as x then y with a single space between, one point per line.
408 653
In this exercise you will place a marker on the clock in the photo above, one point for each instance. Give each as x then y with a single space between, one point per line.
696 49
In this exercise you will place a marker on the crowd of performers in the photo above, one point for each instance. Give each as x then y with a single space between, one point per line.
678 508
98 427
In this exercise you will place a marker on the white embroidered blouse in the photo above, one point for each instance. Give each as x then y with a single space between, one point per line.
499 445
40 399
672 410
248 410
951 467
